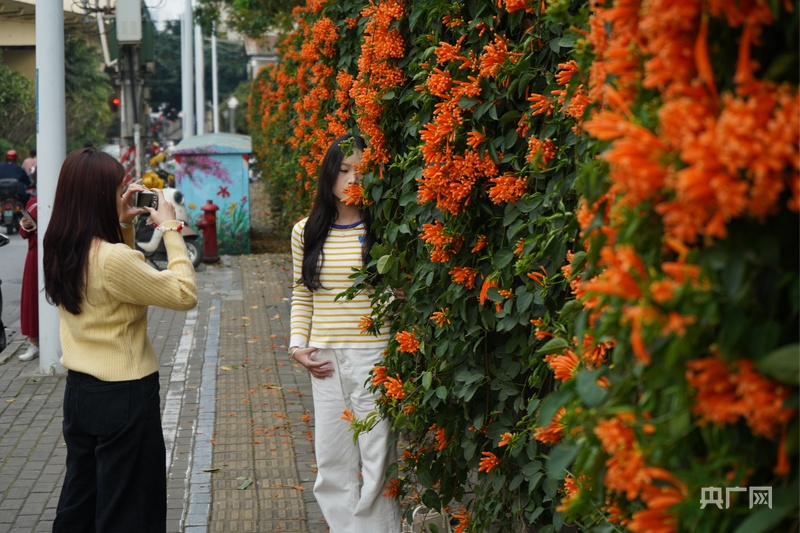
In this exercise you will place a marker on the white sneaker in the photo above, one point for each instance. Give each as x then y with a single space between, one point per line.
31 354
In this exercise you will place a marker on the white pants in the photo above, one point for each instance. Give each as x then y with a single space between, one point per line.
350 504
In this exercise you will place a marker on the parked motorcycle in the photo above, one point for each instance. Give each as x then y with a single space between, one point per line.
150 242
11 204
3 241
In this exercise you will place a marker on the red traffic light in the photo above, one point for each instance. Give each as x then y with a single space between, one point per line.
114 103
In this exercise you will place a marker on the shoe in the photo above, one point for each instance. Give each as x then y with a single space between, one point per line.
31 354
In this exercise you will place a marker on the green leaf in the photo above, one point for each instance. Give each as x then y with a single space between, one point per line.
384 264
733 275
588 389
561 456
784 504
570 308
481 109
503 258
524 300
782 364
431 499
568 41
424 475
554 345
441 392
578 260
427 378
553 402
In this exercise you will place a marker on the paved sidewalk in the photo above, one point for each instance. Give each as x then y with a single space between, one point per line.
237 416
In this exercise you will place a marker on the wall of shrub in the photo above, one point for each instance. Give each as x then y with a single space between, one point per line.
592 211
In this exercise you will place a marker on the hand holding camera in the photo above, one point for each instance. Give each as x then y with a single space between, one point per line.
138 199
145 199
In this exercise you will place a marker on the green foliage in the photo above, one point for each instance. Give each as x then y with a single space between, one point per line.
249 17
17 108
165 83
487 420
87 89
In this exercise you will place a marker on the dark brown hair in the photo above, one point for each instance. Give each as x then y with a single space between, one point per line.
324 213
85 208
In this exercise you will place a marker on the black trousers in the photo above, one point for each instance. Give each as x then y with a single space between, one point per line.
116 477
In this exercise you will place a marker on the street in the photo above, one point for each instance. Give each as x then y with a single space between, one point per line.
12 260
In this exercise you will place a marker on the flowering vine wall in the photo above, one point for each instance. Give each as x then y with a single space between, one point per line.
591 208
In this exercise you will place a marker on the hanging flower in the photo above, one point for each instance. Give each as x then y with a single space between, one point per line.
554 431
394 388
379 375
408 342
489 462
355 195
563 365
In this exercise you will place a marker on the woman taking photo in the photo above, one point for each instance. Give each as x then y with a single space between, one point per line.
116 464
326 339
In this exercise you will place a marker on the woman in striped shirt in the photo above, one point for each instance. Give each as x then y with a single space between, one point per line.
326 339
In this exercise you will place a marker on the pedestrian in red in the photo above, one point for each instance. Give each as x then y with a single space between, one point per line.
29 300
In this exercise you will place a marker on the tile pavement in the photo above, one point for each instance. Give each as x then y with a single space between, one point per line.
237 416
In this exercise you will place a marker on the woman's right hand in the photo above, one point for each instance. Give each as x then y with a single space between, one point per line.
165 211
318 369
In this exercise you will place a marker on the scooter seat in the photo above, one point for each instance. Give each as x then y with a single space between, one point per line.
9 187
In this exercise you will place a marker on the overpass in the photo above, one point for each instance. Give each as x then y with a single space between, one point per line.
18 31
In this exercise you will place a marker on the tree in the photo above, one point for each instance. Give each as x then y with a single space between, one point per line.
250 17
17 107
87 92
165 83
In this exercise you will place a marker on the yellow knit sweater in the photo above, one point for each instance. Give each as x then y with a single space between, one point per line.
108 339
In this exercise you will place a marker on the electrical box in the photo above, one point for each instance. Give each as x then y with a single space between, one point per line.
129 21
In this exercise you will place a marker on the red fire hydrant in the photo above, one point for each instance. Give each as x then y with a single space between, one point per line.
208 224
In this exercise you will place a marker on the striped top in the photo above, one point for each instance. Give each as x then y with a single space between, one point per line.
318 320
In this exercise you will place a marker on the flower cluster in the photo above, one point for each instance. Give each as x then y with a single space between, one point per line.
382 46
590 211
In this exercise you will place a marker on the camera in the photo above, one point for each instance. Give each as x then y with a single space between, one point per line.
145 199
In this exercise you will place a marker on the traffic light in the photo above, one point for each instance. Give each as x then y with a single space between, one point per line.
114 103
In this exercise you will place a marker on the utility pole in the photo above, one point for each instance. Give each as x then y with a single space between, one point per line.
51 138
214 81
187 59
199 81
129 37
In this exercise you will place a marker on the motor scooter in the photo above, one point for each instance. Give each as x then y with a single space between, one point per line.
151 243
3 241
11 204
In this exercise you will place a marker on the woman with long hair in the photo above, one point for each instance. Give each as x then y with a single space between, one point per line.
326 339
29 296
116 457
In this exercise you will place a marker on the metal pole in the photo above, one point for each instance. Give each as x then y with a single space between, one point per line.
199 81
214 81
187 86
51 142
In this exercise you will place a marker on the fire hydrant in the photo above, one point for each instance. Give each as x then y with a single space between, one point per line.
208 224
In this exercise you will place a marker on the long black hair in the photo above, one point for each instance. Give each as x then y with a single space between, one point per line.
85 208
323 213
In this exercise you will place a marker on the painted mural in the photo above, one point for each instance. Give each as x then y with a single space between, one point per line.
214 167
